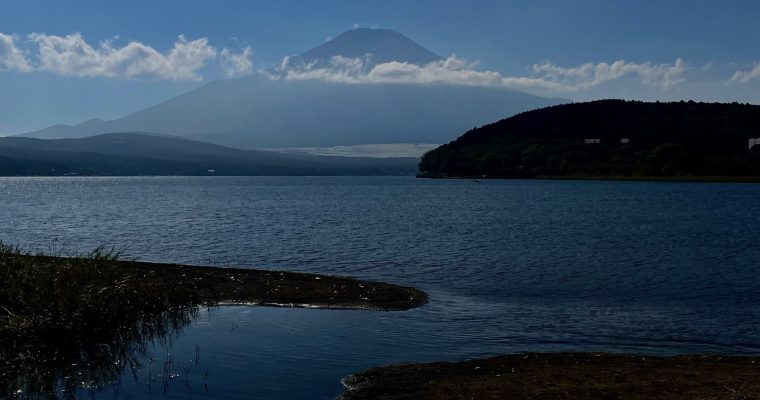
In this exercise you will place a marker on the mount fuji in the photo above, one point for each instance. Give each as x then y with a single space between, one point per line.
268 110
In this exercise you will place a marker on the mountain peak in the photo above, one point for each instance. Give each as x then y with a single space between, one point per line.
375 46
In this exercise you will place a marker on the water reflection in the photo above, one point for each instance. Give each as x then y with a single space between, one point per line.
35 366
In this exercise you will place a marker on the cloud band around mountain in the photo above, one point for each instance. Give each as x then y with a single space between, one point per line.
235 65
455 71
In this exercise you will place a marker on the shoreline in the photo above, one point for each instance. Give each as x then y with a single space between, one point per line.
587 376
680 179
614 178
273 288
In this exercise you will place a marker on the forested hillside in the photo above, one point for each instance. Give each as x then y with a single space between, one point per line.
608 138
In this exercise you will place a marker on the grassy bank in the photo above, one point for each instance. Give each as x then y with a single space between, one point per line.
85 317
580 376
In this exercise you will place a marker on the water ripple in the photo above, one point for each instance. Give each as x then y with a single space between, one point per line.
511 266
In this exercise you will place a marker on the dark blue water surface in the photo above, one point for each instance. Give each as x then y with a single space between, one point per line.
511 266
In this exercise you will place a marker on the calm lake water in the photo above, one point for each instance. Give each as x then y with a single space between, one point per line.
511 266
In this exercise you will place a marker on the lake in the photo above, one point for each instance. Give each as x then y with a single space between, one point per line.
510 266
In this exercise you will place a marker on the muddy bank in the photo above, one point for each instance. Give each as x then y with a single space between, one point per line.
277 288
584 376
230 285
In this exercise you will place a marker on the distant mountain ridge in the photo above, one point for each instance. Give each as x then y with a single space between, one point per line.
149 154
264 112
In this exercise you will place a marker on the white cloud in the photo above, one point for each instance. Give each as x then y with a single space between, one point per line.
589 75
746 76
11 57
236 64
71 55
455 71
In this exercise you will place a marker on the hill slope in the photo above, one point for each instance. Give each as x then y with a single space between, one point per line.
145 154
608 138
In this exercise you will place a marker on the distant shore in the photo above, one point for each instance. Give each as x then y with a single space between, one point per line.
622 178
713 179
586 376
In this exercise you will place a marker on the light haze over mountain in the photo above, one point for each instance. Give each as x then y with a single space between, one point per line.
270 110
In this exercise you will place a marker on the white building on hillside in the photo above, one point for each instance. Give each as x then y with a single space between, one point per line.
592 141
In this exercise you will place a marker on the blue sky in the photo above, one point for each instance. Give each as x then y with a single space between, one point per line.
670 50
